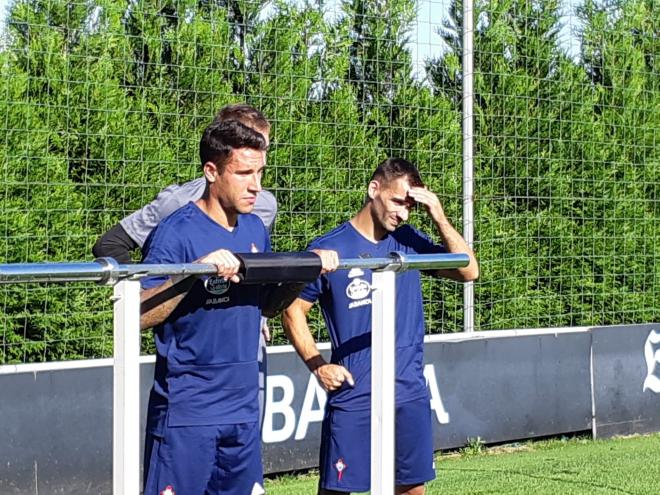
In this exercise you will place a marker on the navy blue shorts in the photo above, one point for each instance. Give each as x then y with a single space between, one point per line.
345 460
201 460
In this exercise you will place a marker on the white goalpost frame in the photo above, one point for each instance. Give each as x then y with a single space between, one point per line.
468 153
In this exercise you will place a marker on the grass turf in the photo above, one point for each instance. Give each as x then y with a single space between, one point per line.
556 467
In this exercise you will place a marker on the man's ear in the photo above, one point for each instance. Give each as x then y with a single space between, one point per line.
211 172
373 189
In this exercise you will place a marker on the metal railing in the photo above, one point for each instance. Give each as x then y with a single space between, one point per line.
108 272
126 384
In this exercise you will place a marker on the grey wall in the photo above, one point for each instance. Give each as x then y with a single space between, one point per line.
626 382
56 432
512 387
56 428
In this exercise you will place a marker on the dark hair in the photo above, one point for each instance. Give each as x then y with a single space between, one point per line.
220 138
395 168
245 114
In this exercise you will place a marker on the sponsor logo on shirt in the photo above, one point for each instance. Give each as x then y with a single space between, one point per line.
217 285
257 489
358 290
216 300
168 491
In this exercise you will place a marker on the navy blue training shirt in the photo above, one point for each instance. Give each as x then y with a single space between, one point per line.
206 350
345 299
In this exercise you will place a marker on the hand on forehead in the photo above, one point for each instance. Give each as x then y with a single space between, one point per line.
400 190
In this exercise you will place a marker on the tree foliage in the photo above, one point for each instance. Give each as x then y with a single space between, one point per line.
104 102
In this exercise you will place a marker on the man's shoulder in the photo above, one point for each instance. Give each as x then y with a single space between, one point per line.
181 219
266 208
333 237
406 233
406 230
408 238
140 223
188 191
175 233
252 221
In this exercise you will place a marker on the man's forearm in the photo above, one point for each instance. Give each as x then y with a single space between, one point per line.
330 376
158 303
294 321
454 243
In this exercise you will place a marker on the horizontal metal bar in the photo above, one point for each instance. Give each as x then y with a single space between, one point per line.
104 271
401 262
108 271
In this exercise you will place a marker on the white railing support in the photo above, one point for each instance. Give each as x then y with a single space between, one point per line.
383 364
126 389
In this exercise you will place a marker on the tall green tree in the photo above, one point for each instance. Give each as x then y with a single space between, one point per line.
380 61
619 47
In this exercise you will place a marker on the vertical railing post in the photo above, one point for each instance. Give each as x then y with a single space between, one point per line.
126 390
383 318
468 153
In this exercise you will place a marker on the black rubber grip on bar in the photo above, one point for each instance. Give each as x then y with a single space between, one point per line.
268 268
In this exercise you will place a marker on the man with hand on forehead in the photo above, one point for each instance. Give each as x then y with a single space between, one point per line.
345 298
202 422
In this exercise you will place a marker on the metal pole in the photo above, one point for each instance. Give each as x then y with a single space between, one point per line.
126 389
468 154
107 271
383 365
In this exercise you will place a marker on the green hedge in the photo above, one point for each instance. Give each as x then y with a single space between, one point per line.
103 104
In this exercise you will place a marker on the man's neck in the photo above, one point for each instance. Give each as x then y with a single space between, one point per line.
214 209
365 224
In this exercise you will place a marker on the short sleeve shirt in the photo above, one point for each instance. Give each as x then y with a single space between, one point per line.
345 300
206 350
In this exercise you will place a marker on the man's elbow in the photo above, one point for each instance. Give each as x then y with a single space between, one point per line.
151 319
99 248
145 317
472 274
291 315
145 324
468 273
288 316
115 243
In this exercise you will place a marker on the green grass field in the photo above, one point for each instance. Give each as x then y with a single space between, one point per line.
557 467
